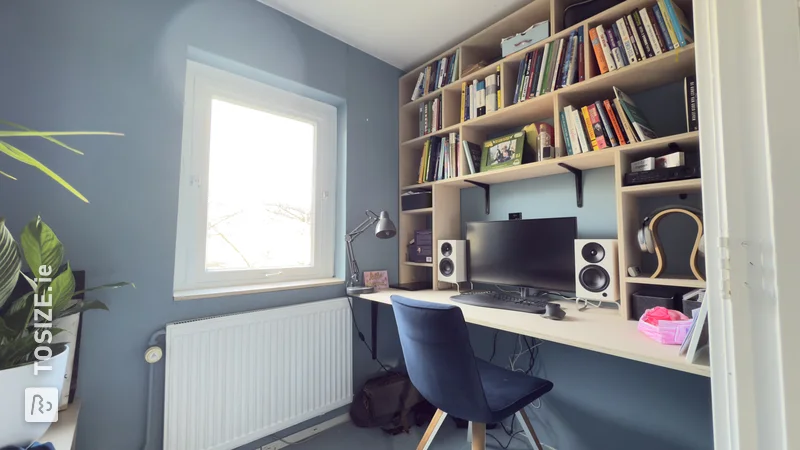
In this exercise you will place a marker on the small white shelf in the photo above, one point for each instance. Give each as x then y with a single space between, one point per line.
418 211
665 188
687 281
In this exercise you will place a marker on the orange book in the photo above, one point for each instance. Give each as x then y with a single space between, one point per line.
614 124
589 128
598 51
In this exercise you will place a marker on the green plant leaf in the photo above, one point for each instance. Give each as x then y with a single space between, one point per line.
54 141
19 317
80 307
6 333
23 157
41 247
62 289
43 134
106 286
7 175
10 263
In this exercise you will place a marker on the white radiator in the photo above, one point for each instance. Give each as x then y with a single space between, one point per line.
233 379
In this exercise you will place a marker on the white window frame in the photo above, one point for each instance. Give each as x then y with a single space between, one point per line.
203 84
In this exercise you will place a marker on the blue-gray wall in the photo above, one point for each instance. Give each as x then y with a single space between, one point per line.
599 401
118 65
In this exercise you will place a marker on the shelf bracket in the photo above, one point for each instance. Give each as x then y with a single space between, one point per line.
486 189
578 182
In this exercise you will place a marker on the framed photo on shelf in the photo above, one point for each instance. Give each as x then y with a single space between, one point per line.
379 279
502 152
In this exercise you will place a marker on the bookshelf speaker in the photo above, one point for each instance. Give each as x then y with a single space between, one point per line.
596 269
452 261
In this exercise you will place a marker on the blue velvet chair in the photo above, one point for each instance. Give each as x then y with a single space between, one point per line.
443 367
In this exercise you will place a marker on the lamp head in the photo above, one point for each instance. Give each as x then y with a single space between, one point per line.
385 228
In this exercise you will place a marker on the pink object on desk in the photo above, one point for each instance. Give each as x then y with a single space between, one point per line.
664 325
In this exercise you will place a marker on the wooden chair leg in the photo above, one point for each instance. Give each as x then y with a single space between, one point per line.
433 428
528 427
478 436
469 431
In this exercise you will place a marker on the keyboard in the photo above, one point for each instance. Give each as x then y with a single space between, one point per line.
499 300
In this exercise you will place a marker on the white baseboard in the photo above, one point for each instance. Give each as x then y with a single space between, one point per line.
308 432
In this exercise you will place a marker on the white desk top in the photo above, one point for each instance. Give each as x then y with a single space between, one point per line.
600 330
62 433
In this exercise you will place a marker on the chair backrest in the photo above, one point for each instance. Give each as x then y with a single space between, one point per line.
439 357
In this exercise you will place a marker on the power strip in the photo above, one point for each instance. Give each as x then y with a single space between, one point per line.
307 433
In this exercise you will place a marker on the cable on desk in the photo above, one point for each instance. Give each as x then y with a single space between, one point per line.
510 440
361 335
494 345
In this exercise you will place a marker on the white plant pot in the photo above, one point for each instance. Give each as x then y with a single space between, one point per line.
14 430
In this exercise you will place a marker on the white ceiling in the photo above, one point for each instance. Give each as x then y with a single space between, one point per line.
404 33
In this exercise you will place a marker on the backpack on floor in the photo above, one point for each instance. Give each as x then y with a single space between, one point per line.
390 402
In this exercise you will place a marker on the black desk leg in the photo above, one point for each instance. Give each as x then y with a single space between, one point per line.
374 312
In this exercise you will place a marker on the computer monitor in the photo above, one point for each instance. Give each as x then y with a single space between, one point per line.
535 253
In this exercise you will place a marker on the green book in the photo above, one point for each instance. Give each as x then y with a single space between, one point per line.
546 73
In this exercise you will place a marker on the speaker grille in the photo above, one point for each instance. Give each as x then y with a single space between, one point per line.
594 278
593 252
446 266
447 249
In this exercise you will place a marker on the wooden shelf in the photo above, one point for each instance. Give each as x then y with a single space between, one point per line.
688 282
666 188
429 96
418 211
417 186
691 139
423 138
409 263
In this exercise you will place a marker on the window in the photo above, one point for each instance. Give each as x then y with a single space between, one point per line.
257 198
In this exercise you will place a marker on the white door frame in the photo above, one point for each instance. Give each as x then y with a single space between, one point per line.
748 61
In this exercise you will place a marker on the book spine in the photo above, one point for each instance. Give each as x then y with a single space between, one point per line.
481 89
676 23
580 129
626 123
662 5
543 68
526 68
589 129
562 79
416 94
691 104
463 99
597 128
607 128
618 118
651 34
573 61
467 103
530 74
474 106
601 34
565 132
598 51
616 52
648 49
573 137
520 74
615 129
654 24
620 44
498 82
581 57
662 27
559 57
536 69
634 35
620 27
491 93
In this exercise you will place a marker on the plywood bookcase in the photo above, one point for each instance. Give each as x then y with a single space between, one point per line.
444 218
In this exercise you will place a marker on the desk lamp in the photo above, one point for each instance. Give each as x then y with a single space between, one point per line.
385 229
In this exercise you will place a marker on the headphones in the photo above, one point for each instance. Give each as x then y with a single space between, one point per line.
650 243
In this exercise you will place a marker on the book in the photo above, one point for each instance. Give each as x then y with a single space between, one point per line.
463 99
535 70
597 128
626 125
606 121
616 52
598 51
690 91
662 27
581 62
587 121
555 69
637 119
659 37
491 93
601 35
520 74
573 135
580 130
423 163
468 102
651 34
481 98
545 69
634 36
614 122
573 60
472 153
562 72
473 112
643 164
524 70
418 87
648 49
682 27
627 45
662 5
565 132
498 77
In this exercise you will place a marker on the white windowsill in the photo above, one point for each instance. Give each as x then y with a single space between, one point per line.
195 294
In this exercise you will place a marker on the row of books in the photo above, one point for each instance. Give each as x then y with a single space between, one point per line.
430 116
481 97
440 159
546 69
639 35
604 124
437 74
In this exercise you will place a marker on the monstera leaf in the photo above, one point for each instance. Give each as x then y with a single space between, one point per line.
10 263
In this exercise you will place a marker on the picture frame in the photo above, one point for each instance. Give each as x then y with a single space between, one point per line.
378 279
502 152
